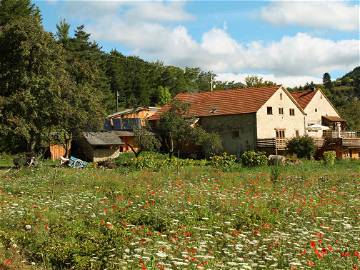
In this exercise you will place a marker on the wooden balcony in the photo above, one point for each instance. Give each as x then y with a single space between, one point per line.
273 143
351 142
341 134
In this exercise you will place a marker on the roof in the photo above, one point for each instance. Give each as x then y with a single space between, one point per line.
133 110
102 138
223 102
334 118
303 97
123 133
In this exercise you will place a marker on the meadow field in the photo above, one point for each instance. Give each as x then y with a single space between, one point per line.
303 216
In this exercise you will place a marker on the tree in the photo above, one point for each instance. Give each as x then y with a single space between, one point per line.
303 147
32 77
38 95
62 32
164 95
12 10
177 131
144 141
255 81
327 81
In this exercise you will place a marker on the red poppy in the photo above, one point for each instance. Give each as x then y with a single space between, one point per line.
357 254
312 244
330 248
7 262
345 254
310 263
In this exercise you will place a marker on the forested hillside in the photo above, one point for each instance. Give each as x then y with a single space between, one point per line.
345 94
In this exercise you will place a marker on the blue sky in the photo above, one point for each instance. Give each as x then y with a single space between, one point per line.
290 42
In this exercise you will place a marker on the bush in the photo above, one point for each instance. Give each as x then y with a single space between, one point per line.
252 159
329 157
154 161
224 161
303 147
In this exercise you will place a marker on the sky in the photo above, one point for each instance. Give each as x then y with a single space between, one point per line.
288 42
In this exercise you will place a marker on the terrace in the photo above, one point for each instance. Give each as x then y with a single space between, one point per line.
348 139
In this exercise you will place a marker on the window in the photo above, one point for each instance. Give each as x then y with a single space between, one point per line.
280 96
292 112
315 109
297 133
269 110
235 134
281 110
280 133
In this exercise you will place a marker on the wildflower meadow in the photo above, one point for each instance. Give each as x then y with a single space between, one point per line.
192 217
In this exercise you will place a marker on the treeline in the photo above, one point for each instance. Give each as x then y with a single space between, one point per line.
62 83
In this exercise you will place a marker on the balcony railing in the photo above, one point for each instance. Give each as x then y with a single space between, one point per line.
275 143
341 134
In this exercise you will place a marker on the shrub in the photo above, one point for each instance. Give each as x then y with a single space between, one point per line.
252 159
154 161
303 147
224 161
329 157
275 173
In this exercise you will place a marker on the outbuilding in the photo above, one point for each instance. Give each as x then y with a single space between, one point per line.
100 146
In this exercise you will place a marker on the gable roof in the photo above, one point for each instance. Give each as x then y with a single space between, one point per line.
133 110
102 138
303 97
223 102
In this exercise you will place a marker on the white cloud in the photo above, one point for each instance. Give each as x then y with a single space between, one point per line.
339 15
287 81
291 60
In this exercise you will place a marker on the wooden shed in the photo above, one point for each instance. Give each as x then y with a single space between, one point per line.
100 146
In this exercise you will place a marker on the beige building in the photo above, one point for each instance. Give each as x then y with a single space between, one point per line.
248 118
260 118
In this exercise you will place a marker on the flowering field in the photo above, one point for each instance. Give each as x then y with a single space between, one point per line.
192 218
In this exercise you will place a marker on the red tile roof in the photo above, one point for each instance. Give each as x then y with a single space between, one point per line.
223 102
303 97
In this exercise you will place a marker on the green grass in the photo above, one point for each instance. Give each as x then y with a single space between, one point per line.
188 218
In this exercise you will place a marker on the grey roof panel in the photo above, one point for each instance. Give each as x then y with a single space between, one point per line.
102 138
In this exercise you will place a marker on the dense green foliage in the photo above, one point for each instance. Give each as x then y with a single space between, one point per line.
329 157
252 159
302 147
144 141
180 134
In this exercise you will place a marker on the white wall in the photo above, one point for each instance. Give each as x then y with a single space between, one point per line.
319 106
266 124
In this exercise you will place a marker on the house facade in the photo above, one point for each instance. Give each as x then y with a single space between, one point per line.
124 122
258 118
320 111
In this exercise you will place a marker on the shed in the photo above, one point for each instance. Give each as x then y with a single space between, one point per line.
100 146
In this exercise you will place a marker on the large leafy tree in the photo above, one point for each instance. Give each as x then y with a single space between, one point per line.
32 78
38 94
178 131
